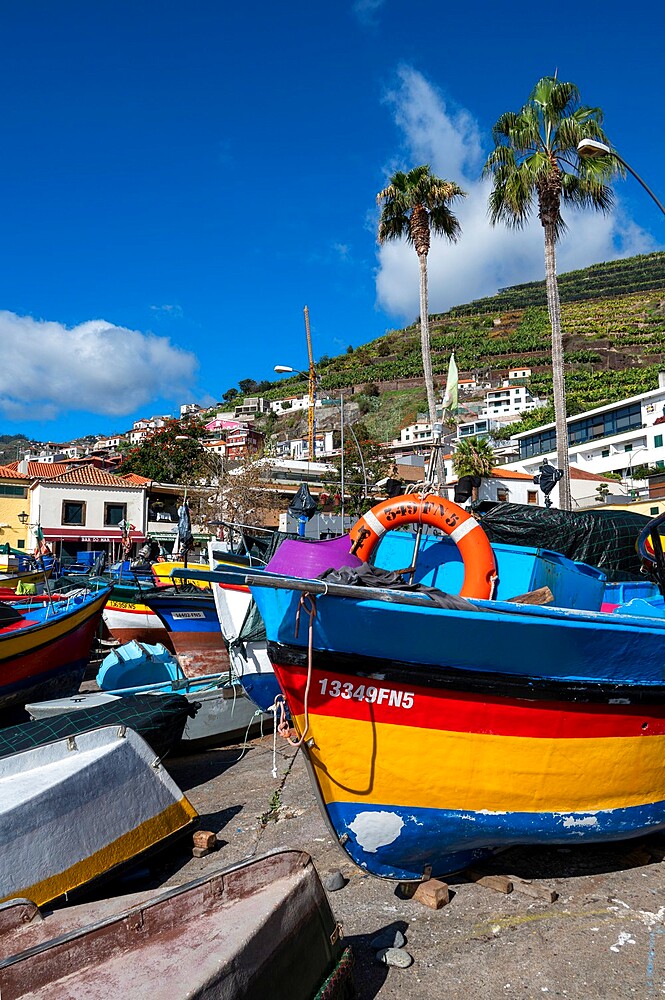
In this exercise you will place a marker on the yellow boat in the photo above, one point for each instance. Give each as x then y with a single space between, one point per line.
11 581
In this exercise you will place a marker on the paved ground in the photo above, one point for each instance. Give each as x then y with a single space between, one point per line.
603 938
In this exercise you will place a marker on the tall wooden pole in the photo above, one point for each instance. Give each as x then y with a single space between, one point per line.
311 423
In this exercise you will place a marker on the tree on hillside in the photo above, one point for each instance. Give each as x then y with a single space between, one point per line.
535 161
163 457
416 205
474 457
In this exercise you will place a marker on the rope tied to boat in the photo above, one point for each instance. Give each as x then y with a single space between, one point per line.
307 603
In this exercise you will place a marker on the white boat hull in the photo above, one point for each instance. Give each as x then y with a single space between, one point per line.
75 809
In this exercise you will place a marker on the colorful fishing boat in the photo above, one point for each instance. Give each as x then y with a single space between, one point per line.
44 647
439 732
75 809
14 581
261 928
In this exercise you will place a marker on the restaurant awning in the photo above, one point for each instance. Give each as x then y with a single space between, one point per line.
88 535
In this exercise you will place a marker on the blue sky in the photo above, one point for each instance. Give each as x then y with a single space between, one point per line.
179 180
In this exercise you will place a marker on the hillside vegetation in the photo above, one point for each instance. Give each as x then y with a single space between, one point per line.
613 319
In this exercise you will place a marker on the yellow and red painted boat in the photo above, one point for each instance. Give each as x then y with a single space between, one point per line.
44 648
437 733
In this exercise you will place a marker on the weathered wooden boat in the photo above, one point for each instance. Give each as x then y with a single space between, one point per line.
77 808
12 581
44 648
538 724
127 618
158 719
261 928
189 615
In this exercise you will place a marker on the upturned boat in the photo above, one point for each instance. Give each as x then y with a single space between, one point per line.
439 728
261 928
159 719
77 808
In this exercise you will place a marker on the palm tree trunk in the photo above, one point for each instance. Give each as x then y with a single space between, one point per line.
558 384
427 359
424 340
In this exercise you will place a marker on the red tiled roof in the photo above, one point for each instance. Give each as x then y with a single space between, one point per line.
134 479
500 473
90 476
42 470
7 472
576 473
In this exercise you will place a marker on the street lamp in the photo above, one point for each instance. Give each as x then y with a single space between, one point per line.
23 517
311 422
630 464
593 149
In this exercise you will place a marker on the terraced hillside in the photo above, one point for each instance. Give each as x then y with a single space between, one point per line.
613 318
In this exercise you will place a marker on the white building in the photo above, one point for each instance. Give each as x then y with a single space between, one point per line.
515 373
509 400
291 403
617 437
298 448
83 508
189 409
109 443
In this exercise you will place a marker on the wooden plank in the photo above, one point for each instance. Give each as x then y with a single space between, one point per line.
534 889
543 595
500 883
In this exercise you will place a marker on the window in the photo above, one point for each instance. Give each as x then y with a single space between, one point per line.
532 496
654 510
502 493
13 491
628 447
114 513
73 512
658 441
21 543
605 453
660 464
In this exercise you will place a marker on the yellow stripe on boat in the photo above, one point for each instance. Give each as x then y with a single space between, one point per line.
172 820
49 630
455 770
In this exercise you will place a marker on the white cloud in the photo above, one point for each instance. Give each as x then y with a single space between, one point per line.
169 310
48 368
485 258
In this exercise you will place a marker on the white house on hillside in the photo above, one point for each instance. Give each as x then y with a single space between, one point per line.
509 400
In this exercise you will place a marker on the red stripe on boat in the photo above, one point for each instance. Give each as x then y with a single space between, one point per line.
371 700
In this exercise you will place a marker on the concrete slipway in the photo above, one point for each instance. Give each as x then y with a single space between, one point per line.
604 937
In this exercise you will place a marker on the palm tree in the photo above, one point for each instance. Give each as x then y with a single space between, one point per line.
535 160
415 205
474 457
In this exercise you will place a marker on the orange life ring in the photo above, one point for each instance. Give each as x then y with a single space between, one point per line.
480 570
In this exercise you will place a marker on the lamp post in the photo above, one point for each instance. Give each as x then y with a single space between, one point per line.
630 464
592 148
